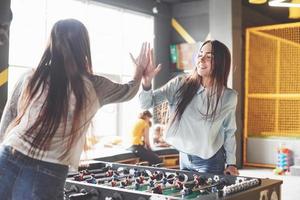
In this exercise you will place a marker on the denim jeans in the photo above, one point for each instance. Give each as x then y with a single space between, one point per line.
145 154
213 165
24 178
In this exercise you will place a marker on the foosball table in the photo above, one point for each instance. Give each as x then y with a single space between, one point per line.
112 181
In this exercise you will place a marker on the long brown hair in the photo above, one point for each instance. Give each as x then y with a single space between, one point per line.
220 71
60 72
145 114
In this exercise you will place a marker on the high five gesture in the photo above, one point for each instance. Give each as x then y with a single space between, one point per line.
150 71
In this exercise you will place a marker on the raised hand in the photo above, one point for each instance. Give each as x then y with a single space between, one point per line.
150 71
142 60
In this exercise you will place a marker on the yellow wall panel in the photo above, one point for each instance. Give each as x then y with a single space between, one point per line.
272 93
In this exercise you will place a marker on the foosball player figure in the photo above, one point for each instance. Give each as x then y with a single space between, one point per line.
136 172
178 185
186 191
151 177
180 177
123 170
100 181
115 177
123 184
116 173
109 173
126 171
92 179
144 173
136 184
164 174
196 180
209 181
160 175
203 180
155 175
140 180
164 181
113 183
151 183
79 177
157 189
126 182
85 172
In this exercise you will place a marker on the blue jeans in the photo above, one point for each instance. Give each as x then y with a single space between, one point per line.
24 178
213 165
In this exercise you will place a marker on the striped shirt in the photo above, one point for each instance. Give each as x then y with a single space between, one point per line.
99 92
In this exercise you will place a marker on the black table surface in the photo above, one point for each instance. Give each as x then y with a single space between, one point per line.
117 154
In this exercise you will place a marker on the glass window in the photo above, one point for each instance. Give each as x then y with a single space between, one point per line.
27 32
114 32
57 9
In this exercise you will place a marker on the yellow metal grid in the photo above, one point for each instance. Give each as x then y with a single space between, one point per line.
272 82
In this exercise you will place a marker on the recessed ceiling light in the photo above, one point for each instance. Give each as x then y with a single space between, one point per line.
283 3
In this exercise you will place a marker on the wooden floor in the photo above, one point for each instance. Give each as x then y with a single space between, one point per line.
291 184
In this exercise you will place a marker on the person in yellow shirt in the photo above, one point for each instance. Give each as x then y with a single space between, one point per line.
140 143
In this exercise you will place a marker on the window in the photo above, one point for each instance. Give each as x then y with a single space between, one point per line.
111 42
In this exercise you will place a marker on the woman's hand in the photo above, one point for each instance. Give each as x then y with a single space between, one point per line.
150 71
142 60
231 170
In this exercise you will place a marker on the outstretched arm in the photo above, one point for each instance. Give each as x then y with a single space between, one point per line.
111 92
10 111
151 98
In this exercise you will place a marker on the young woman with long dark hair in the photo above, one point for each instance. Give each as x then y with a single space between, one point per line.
44 122
202 111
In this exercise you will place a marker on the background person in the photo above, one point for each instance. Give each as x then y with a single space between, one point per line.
140 141
158 139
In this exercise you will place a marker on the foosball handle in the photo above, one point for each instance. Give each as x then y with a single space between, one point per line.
79 196
115 196
144 163
158 165
83 195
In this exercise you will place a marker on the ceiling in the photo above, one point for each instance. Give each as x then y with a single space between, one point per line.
175 1
279 14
